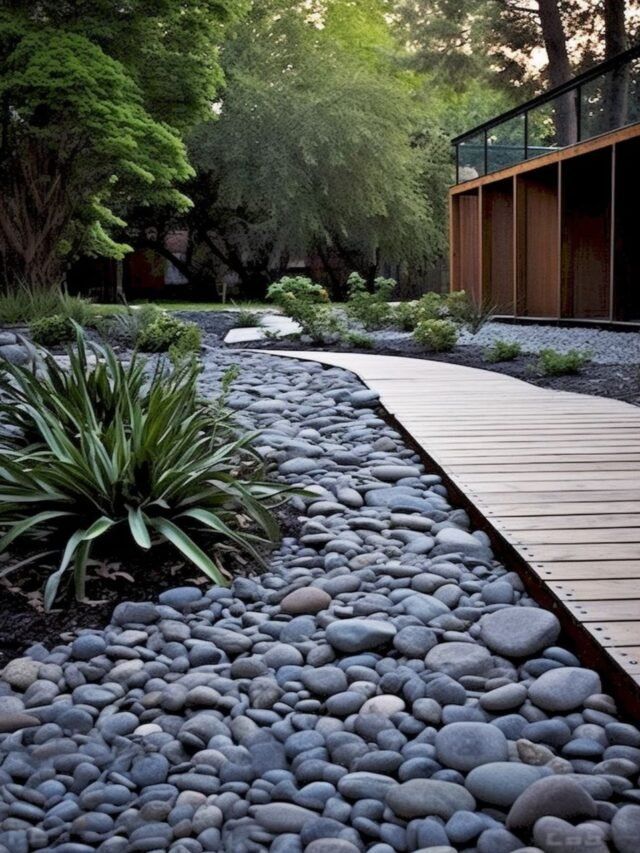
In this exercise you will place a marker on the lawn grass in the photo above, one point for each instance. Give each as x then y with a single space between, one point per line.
175 305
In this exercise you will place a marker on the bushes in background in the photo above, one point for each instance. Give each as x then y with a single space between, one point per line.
370 308
51 331
308 305
25 304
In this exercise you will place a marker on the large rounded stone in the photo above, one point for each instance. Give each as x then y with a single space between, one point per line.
384 705
626 829
426 797
458 659
501 782
363 785
517 632
308 599
357 635
325 680
564 689
21 673
560 836
452 540
463 746
282 817
553 796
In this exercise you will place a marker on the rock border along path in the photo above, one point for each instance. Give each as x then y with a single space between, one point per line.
556 474
386 685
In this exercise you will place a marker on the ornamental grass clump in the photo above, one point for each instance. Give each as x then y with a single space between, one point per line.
107 455
23 304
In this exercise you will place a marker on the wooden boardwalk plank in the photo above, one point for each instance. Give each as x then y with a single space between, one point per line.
556 473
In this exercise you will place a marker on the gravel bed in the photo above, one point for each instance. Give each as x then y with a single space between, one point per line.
384 686
605 346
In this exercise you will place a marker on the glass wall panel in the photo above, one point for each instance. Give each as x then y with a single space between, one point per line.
553 125
471 158
506 144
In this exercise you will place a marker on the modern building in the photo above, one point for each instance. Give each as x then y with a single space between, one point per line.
544 213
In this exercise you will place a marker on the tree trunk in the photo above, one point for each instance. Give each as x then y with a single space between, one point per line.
34 216
559 70
616 90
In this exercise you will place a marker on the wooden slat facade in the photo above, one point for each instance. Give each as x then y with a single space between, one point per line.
553 237
575 523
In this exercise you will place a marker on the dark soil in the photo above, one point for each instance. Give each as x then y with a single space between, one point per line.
137 577
619 381
213 324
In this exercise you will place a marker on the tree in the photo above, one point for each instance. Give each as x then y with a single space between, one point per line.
458 36
316 146
92 116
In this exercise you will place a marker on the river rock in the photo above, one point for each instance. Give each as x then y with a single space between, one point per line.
463 746
419 798
458 659
308 599
357 635
552 796
500 783
564 689
518 632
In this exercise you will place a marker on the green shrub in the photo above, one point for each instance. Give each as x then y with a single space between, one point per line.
370 308
436 335
308 305
106 453
431 306
165 331
405 315
23 304
297 287
51 331
359 340
187 346
554 363
502 351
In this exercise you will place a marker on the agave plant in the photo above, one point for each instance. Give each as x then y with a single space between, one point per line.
102 447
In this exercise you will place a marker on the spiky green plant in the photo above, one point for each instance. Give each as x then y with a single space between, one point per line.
103 447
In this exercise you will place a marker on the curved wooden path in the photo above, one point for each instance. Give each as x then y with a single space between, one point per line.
555 474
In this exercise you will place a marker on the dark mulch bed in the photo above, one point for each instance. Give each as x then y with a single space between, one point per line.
213 324
137 577
619 381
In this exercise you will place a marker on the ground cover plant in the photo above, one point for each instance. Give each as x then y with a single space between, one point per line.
51 331
103 453
554 363
502 351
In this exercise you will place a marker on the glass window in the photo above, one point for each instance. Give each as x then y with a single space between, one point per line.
505 144
471 158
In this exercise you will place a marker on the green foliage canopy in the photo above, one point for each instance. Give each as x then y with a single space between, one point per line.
317 146
93 108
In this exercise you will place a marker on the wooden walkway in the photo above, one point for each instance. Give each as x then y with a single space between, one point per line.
556 474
